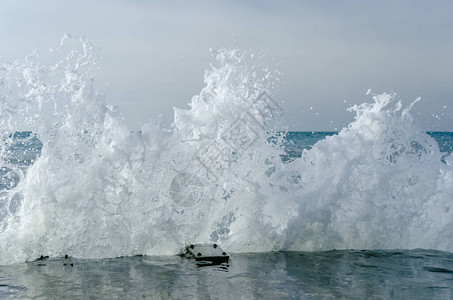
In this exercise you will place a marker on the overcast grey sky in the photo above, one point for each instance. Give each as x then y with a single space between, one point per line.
331 52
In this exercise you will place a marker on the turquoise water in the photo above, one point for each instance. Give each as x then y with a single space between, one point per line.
295 142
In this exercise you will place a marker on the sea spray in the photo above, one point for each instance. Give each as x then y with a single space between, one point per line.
215 175
97 190
380 183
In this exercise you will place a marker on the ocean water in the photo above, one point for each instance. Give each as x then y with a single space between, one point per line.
347 274
76 181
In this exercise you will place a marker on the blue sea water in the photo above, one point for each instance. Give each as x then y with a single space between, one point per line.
295 142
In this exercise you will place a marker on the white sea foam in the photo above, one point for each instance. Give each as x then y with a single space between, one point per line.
98 190
380 183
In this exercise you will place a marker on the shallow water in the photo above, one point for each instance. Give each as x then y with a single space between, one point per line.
380 274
